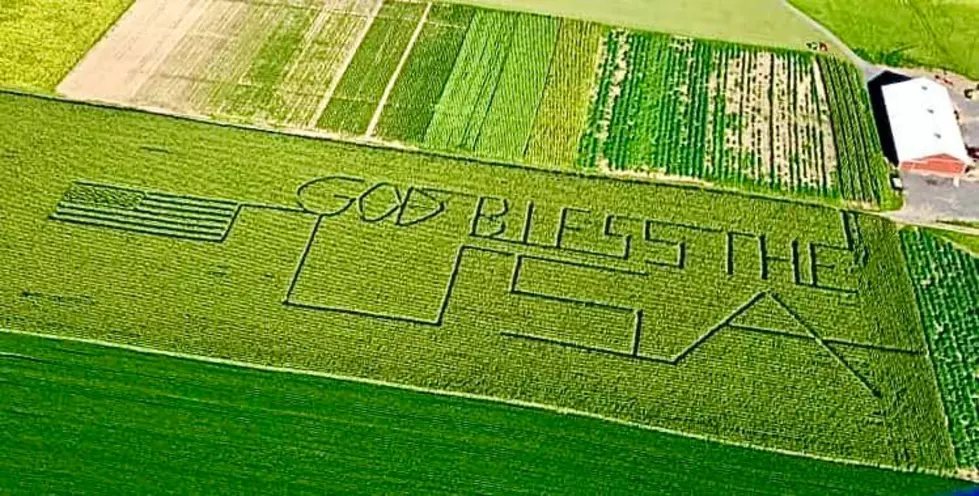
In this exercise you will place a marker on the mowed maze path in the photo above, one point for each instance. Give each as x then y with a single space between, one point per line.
512 87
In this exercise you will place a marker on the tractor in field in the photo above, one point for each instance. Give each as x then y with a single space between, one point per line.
818 46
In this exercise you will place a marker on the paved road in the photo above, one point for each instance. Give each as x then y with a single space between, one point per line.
929 199
969 116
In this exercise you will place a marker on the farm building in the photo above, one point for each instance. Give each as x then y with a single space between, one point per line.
923 126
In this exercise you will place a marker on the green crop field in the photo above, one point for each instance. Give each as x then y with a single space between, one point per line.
411 105
256 61
946 281
40 40
929 33
81 409
761 22
360 90
565 102
553 92
490 101
531 89
964 241
389 246
759 322
733 114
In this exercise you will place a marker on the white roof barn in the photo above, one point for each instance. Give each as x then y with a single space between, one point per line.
926 132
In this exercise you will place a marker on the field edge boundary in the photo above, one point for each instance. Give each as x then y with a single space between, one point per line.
950 474
102 35
290 133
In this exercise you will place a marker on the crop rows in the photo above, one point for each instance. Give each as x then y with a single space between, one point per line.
863 171
259 85
564 105
767 323
532 89
410 107
355 100
600 113
552 92
519 89
256 62
469 91
946 282
495 84
719 112
491 99
312 72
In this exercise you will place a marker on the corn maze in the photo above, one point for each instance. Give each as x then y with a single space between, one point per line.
946 281
475 239
755 321
529 89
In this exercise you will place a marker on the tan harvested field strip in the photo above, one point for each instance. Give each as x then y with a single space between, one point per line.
124 60
253 60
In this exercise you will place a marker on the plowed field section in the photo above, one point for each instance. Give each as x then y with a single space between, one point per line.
238 60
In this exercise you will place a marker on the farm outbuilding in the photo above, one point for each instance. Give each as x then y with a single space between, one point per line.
923 125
